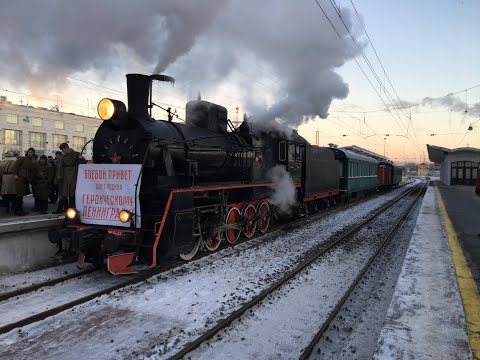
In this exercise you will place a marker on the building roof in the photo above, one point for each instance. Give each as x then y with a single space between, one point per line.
437 154
342 153
359 150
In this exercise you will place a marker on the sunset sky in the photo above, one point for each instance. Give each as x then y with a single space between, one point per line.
271 59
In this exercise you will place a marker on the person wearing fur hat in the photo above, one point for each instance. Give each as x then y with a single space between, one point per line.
42 178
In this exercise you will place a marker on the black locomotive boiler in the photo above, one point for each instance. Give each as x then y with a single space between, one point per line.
199 183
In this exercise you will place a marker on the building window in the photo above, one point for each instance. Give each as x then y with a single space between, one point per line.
12 119
37 139
11 137
38 122
59 124
78 142
58 139
79 128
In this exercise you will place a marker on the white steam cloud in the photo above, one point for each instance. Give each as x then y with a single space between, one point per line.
454 104
278 56
284 192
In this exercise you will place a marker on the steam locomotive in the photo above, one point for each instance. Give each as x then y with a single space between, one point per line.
158 189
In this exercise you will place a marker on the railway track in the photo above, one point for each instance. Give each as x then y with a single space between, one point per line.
43 284
122 282
308 350
44 288
311 258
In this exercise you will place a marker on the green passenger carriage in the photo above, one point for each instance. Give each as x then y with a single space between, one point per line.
358 173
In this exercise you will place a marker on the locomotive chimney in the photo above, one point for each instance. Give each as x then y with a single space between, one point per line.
138 88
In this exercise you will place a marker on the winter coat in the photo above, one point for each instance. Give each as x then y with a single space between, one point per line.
23 168
57 181
54 168
67 173
8 178
42 179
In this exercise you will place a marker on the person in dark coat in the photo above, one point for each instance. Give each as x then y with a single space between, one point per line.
23 173
8 180
54 186
42 179
67 175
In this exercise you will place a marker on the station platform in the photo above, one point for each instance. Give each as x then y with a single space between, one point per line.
24 240
435 309
28 204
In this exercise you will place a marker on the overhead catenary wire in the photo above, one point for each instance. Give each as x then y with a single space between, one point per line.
395 106
367 61
361 120
422 102
376 54
71 102
358 64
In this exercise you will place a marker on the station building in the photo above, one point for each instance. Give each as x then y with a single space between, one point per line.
457 166
423 170
23 126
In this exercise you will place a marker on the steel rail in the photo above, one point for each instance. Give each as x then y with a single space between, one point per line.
309 349
137 278
50 282
223 323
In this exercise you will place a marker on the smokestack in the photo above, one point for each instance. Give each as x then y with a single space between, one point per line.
138 88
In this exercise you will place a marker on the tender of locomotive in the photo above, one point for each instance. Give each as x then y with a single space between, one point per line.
157 189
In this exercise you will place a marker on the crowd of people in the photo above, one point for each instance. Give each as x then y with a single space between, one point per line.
48 179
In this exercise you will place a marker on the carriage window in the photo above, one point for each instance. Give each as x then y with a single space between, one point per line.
291 153
282 150
468 173
298 153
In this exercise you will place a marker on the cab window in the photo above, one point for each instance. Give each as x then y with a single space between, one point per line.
282 151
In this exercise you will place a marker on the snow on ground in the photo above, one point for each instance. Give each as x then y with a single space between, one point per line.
426 319
354 332
285 322
176 305
52 296
12 282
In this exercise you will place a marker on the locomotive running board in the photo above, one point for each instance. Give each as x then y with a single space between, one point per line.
118 264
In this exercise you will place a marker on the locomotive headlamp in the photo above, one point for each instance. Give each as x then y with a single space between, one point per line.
125 216
109 109
71 213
